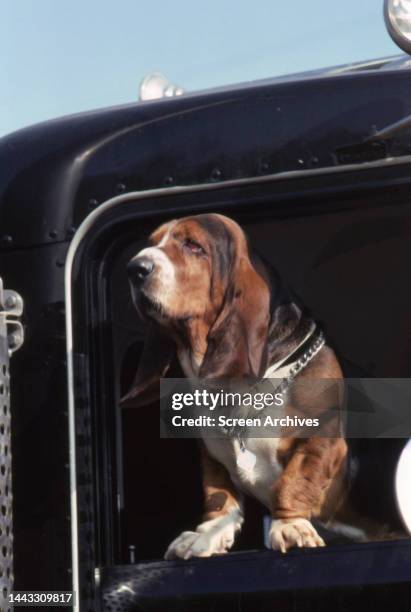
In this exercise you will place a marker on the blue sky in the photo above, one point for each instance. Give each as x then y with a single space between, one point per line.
58 58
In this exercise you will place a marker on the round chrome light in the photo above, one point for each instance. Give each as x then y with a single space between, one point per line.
156 85
397 14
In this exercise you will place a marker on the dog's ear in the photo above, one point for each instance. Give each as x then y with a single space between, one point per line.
238 338
156 358
289 320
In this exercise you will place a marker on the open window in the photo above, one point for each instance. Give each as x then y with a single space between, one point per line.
344 250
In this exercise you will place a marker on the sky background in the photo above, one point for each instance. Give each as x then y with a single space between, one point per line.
58 58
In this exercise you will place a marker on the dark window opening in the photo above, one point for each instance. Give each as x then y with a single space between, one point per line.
348 267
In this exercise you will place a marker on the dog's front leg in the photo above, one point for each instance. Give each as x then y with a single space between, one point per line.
301 491
222 517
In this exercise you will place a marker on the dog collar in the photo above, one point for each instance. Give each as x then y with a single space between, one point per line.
287 368
285 372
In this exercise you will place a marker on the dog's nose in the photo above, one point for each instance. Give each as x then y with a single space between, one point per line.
139 268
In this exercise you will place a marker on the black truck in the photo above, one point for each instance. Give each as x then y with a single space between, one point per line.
317 168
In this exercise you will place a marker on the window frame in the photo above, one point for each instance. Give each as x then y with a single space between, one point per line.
83 263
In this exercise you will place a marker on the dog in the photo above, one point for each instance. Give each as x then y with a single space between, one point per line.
223 312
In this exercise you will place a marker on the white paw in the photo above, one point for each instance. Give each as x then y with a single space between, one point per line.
286 533
210 538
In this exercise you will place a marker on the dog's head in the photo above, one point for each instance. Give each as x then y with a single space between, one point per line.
191 268
198 278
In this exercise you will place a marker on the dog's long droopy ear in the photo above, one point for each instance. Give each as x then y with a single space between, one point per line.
289 321
237 340
156 358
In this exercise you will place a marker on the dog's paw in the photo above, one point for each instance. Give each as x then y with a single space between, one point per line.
210 538
287 533
194 544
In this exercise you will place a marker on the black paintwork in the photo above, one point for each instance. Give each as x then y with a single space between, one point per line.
52 175
297 570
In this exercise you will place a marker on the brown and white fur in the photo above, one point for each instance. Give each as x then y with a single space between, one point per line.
224 313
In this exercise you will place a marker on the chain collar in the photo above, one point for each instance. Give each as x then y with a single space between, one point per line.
286 374
297 366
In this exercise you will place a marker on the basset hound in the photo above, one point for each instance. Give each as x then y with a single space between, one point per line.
224 313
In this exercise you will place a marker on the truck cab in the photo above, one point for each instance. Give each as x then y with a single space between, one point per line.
317 168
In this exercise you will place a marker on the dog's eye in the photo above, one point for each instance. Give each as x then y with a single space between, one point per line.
193 246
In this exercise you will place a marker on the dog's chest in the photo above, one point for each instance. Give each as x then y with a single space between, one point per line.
256 480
